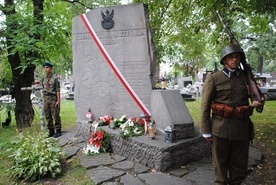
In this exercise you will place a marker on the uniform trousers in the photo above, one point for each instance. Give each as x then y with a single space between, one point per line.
230 159
51 112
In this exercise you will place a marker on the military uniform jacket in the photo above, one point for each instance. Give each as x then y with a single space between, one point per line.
54 85
227 88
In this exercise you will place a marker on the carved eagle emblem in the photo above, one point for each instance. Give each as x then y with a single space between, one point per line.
107 22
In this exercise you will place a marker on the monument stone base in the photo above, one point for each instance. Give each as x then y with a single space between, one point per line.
168 108
155 153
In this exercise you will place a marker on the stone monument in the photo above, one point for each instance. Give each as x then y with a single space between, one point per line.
114 74
123 32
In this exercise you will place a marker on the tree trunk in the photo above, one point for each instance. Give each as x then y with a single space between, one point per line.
24 112
260 63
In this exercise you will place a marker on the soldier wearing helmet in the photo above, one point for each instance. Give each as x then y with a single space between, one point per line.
230 49
225 117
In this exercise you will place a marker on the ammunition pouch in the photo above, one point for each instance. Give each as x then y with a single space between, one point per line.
244 111
228 111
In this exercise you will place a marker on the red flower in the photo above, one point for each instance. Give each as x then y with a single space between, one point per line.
133 120
90 140
105 120
96 138
141 122
97 144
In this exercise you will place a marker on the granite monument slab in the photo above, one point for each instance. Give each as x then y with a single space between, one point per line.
125 38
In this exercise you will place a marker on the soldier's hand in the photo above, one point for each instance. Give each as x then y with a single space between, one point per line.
57 104
256 103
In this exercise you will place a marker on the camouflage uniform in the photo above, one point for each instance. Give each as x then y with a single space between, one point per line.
50 98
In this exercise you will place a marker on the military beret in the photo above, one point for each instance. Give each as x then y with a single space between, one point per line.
49 64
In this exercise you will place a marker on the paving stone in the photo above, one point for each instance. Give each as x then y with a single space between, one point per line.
112 183
200 176
93 161
118 158
251 164
159 178
191 166
255 154
200 172
180 172
139 168
62 142
68 134
103 174
70 151
81 145
131 180
124 165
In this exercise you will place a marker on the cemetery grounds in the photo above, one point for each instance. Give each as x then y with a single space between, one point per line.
74 173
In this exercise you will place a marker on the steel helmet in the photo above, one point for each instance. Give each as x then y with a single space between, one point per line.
229 49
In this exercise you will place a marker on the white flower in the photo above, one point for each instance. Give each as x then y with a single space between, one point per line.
123 126
136 131
90 149
131 124
126 131
95 124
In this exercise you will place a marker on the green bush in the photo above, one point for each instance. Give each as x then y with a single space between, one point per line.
35 156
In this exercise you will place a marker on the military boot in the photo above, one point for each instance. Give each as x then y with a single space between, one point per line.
51 132
58 133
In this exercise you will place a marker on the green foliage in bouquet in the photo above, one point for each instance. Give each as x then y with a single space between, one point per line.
119 121
132 127
34 156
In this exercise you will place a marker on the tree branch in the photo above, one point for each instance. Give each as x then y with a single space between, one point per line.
165 10
77 1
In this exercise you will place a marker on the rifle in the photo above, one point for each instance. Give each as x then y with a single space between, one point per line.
255 93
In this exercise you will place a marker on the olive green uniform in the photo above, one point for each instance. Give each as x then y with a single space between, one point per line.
51 111
230 135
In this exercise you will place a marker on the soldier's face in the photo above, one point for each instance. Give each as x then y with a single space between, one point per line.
232 61
47 69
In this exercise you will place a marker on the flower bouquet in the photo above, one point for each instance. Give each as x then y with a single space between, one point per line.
105 120
132 127
99 142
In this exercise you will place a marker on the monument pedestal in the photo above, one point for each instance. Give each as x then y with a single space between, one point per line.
155 153
168 108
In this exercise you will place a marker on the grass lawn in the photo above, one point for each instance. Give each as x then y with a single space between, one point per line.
75 174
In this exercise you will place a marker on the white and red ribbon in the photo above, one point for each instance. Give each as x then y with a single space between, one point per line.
113 66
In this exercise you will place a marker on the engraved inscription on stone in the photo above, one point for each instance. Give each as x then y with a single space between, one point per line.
111 38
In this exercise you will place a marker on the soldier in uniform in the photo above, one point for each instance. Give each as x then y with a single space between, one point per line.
225 118
51 95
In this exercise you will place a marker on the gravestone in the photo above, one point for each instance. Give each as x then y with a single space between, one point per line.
125 36
184 81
